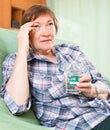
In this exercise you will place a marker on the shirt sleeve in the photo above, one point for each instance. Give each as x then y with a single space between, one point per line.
7 68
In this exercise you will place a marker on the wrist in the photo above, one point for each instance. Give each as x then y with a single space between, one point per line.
100 93
94 91
22 53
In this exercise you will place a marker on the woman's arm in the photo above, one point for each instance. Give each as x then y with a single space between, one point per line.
18 86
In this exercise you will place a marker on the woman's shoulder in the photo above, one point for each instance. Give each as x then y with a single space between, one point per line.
68 47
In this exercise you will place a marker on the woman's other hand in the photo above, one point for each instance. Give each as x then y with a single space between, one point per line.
86 87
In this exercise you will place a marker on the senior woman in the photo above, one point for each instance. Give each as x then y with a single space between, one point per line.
35 76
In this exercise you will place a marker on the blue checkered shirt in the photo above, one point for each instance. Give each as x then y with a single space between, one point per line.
49 100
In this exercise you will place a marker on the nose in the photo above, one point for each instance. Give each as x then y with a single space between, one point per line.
45 31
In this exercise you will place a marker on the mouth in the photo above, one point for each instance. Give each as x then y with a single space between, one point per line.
46 40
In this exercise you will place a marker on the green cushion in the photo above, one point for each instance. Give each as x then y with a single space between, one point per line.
26 121
8 44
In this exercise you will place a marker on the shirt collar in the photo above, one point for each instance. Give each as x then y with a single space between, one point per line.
32 55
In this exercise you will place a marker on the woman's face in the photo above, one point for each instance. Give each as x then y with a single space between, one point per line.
43 35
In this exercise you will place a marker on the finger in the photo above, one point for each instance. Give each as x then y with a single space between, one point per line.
28 24
85 78
84 85
27 27
84 90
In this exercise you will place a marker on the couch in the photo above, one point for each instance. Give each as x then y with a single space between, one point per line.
27 121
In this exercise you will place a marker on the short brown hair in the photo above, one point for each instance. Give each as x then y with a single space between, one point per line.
35 11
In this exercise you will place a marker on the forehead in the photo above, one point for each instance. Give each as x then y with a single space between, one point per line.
42 18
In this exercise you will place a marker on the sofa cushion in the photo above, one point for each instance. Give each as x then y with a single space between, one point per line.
8 44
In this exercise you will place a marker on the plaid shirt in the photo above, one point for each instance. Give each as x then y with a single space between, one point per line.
51 104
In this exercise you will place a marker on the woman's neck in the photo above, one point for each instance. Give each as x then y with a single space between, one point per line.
49 55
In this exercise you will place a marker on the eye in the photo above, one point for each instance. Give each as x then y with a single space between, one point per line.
36 26
51 24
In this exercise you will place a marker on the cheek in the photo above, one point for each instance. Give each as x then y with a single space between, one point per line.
53 33
33 37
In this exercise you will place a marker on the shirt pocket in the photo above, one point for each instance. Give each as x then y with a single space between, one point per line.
39 81
46 87
58 85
